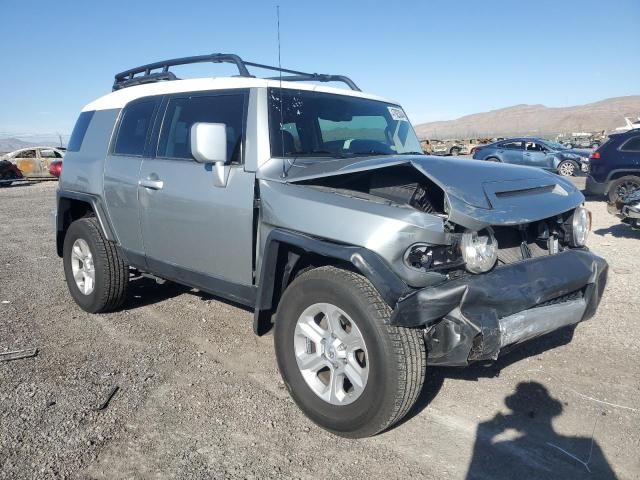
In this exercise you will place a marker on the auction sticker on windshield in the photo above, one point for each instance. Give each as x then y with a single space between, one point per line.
397 114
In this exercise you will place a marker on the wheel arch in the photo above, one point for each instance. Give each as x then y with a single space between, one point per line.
287 253
619 173
72 206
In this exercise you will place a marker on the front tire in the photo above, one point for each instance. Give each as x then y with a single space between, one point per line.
567 168
347 369
454 151
95 272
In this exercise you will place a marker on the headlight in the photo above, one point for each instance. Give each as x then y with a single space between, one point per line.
479 250
580 226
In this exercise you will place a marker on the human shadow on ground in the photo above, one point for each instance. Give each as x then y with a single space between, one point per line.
620 230
524 444
436 375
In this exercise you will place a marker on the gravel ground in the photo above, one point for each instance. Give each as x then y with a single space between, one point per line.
200 396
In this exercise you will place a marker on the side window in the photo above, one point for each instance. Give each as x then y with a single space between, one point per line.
79 131
182 113
533 147
631 145
26 154
511 145
49 154
134 128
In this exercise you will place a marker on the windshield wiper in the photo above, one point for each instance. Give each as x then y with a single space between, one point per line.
369 153
410 153
318 153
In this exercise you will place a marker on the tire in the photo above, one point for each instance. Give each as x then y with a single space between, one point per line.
622 186
395 357
454 151
493 159
111 274
567 168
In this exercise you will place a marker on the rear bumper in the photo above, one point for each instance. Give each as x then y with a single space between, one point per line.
473 318
596 188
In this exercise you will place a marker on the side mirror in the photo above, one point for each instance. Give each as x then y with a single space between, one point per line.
209 145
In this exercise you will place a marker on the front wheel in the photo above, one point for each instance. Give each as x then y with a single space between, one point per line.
347 369
454 151
567 168
95 272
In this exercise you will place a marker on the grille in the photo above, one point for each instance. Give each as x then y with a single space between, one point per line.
510 245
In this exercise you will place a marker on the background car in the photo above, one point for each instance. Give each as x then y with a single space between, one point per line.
614 168
533 152
34 162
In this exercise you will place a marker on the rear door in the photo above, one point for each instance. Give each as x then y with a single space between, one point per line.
122 172
47 155
194 231
511 152
629 153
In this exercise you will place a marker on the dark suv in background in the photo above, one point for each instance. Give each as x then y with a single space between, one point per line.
614 169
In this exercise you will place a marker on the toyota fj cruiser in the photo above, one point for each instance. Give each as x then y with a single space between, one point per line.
315 207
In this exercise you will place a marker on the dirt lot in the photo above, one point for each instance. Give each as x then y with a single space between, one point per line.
200 396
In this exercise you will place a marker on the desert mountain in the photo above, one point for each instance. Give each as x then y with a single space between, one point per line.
536 120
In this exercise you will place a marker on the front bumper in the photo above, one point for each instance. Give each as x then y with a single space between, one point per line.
473 318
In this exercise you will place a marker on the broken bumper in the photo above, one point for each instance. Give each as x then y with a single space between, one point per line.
473 318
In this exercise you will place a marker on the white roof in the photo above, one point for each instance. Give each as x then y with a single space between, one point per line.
120 98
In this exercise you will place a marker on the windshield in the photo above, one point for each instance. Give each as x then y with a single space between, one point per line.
554 145
313 124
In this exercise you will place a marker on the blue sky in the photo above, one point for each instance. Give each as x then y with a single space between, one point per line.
439 59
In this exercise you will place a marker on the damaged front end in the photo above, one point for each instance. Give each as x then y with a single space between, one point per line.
473 318
492 255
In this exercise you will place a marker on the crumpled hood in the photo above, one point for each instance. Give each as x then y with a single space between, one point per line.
478 193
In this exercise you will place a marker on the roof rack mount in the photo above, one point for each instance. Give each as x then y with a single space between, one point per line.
147 74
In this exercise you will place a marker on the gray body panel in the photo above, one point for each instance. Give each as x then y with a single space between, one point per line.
193 224
121 175
383 229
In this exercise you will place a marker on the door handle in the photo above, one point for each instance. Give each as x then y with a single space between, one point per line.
152 184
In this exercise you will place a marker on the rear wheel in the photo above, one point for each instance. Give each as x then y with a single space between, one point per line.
623 186
493 159
344 365
567 168
96 274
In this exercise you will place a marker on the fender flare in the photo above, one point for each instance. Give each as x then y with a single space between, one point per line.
62 208
368 263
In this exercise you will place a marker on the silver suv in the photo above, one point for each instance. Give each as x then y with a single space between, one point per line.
315 207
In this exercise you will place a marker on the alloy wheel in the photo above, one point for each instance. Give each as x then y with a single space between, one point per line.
331 354
84 272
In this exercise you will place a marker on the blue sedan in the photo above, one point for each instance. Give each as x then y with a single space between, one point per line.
534 152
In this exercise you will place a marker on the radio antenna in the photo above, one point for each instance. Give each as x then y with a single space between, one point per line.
284 169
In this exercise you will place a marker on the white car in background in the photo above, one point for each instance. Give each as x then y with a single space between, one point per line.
34 162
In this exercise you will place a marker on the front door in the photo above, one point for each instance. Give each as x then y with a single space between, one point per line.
535 155
192 230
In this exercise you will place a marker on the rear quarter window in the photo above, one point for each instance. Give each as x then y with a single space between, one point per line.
631 145
79 131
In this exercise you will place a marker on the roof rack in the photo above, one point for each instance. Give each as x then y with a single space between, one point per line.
146 74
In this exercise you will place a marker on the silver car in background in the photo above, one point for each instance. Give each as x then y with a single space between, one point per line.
534 152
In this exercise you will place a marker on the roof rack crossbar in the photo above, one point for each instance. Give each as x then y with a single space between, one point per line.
146 74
